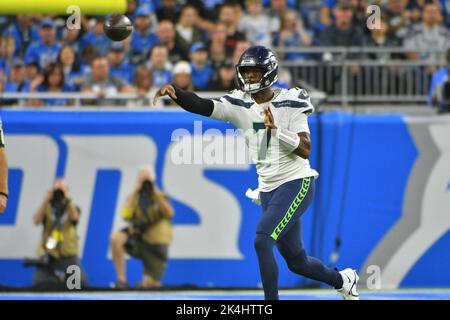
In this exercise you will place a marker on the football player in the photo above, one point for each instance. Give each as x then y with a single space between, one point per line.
277 119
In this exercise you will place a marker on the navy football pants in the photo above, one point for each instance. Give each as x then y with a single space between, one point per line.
280 225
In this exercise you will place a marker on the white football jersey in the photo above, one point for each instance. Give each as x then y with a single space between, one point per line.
274 164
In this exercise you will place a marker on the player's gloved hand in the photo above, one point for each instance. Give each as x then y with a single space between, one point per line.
164 91
269 122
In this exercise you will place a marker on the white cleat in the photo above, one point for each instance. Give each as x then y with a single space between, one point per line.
348 290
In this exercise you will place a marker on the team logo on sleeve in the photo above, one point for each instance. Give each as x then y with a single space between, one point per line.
303 94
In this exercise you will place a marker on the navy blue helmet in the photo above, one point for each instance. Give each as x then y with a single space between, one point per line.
261 57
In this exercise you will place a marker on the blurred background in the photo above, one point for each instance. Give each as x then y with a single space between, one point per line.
77 105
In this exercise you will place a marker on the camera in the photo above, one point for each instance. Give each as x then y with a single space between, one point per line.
146 193
58 200
147 187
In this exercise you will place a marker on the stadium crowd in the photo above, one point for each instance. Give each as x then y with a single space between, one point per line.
195 44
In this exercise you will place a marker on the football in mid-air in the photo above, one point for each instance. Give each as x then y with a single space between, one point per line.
117 27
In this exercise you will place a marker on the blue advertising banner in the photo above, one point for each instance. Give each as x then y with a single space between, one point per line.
383 194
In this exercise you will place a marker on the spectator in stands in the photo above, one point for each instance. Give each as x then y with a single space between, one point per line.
150 9
217 45
429 34
241 46
381 37
119 66
326 10
87 55
360 15
293 34
31 70
142 38
207 13
7 49
202 72
143 86
72 38
186 32
225 78
210 8
169 10
131 8
343 32
160 66
103 84
228 16
182 76
414 9
15 82
73 73
23 32
255 24
166 35
398 17
275 12
52 81
439 78
96 37
45 50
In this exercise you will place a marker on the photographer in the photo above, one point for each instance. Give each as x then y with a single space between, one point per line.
149 233
58 248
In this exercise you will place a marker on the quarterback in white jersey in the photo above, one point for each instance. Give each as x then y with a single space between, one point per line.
275 124
275 163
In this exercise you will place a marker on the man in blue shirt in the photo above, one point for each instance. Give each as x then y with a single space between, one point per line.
202 73
119 66
159 65
16 81
23 32
97 38
47 49
142 39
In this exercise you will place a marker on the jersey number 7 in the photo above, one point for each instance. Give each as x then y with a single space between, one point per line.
263 150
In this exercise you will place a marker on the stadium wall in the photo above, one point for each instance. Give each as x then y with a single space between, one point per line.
383 191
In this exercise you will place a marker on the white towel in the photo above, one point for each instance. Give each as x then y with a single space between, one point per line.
254 195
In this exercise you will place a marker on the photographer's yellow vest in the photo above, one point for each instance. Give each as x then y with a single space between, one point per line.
66 238
159 232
